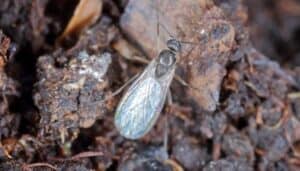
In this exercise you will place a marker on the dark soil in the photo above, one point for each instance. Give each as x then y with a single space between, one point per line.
240 109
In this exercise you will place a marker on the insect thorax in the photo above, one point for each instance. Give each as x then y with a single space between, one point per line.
166 61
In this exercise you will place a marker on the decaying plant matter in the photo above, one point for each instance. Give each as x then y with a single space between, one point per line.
9 121
62 61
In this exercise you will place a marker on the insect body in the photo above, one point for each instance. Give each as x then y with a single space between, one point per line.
144 100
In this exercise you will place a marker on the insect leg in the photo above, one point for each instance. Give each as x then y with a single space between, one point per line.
184 83
119 90
129 52
166 135
181 81
138 59
178 78
169 97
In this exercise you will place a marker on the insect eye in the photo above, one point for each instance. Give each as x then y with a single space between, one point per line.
174 45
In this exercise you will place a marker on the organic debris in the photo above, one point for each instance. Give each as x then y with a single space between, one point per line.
72 96
85 14
9 122
231 107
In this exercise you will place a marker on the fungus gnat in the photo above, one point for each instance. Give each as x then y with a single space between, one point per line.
141 105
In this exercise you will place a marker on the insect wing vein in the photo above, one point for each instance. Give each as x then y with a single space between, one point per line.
139 108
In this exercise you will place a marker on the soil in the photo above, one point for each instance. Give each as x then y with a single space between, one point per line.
235 99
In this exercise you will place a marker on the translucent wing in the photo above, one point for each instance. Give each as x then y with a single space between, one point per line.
138 109
143 102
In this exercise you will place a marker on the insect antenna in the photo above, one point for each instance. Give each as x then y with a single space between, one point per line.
173 37
166 30
166 132
159 24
